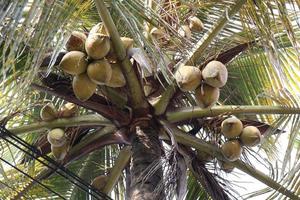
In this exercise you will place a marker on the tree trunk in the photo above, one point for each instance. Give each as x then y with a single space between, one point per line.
146 175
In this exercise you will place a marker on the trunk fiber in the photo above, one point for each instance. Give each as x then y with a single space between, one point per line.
146 170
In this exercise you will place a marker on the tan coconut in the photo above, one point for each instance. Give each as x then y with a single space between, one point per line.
207 96
231 127
117 78
56 137
74 62
100 182
111 56
232 150
60 152
250 136
97 46
195 24
225 166
48 112
76 41
188 78
98 29
83 87
99 71
215 74
185 31
68 110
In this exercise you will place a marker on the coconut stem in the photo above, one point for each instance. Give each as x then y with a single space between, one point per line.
197 112
161 105
137 97
84 120
201 145
116 171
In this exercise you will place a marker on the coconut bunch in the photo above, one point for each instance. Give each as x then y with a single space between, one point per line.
49 112
59 144
92 61
205 83
193 24
237 136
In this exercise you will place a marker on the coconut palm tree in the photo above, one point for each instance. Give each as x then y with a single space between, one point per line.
152 138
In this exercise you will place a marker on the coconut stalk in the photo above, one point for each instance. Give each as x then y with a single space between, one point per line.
195 53
188 113
84 120
201 145
116 171
135 89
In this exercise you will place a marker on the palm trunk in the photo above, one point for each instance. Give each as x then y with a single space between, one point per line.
146 172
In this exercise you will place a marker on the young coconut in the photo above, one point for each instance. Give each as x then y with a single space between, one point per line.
188 78
232 150
231 127
195 24
225 166
117 78
215 74
185 31
76 41
68 110
48 112
250 136
60 152
74 62
98 28
206 95
111 56
97 46
100 182
99 71
56 137
83 87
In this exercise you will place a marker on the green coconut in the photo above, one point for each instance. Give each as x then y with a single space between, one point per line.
195 24
232 150
225 166
74 62
250 136
231 127
48 112
76 41
188 78
83 87
60 152
100 71
207 96
215 74
97 46
56 137
117 78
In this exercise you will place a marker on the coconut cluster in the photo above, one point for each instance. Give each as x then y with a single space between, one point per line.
92 61
49 112
59 144
238 136
205 83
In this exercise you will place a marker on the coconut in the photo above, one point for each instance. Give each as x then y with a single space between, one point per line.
232 150
207 96
74 62
127 42
56 137
225 166
215 74
83 87
250 136
231 127
117 78
59 152
195 24
48 112
111 56
99 71
188 78
98 28
100 182
185 31
68 110
97 46
76 41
